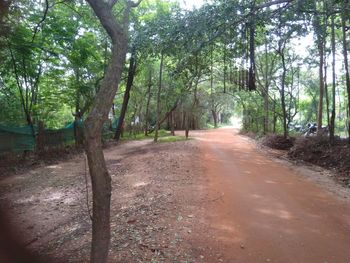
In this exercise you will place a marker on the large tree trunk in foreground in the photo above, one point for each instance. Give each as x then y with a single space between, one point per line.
131 74
101 187
101 181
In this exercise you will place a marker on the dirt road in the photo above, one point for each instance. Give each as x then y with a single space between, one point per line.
216 198
264 211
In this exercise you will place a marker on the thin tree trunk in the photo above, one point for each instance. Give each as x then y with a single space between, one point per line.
172 123
266 93
283 102
326 92
325 63
321 95
332 121
149 95
346 65
211 89
215 118
24 98
187 124
158 98
274 115
131 75
100 178
251 81
320 44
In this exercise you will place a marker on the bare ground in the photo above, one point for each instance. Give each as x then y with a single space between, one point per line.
213 199
154 193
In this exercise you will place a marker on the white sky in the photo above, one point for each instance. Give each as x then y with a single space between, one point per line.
190 4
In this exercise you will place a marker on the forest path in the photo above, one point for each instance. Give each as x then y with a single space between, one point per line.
262 210
213 199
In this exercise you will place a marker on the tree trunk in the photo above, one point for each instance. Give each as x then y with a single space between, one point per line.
187 124
320 44
149 95
215 118
266 93
101 181
332 121
101 188
274 115
283 99
158 98
172 123
346 65
131 75
321 95
325 62
326 92
251 80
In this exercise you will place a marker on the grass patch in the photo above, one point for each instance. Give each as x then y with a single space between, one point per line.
210 126
141 136
172 139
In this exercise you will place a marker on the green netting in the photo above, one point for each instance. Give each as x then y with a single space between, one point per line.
56 138
79 123
17 139
115 123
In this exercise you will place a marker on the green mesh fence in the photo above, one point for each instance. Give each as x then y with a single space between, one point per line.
19 139
58 138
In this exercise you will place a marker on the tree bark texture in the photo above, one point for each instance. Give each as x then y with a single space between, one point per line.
101 181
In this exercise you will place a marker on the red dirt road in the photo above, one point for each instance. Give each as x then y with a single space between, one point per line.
213 199
261 210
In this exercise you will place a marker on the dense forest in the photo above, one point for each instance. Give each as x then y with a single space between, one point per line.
275 64
138 67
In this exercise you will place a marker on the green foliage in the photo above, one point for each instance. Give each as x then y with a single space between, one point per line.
53 62
141 136
172 139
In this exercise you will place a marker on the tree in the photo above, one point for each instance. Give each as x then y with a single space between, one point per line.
332 120
100 178
129 83
344 17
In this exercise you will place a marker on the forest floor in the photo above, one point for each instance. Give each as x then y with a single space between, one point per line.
216 198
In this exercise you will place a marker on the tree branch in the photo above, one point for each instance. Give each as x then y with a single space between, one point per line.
276 2
36 29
